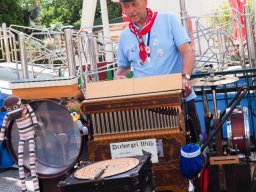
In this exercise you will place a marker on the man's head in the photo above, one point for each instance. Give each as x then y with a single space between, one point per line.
135 10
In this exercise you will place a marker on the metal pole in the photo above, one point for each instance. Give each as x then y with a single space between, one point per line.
184 15
106 30
6 43
92 44
221 46
23 56
88 14
68 33
249 35
240 40
80 55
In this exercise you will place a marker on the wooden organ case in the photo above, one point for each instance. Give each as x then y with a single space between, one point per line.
135 109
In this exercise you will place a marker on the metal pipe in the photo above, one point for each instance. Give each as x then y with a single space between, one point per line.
16 59
92 44
106 30
184 15
240 39
198 40
68 33
6 43
23 56
249 35
80 49
215 111
221 46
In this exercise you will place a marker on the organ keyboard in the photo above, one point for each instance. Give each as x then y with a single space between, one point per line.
129 110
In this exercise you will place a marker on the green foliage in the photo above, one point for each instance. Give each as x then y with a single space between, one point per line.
10 12
224 11
66 12
223 14
48 13
69 12
114 10
31 10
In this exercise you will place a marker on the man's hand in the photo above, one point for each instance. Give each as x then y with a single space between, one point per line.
186 87
116 77
121 73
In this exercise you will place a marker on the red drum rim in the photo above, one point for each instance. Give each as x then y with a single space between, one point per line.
45 169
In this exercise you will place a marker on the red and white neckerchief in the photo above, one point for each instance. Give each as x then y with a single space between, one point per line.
145 29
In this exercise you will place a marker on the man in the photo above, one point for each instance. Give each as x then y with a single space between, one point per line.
156 44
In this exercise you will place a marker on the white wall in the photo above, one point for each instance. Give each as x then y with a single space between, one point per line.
194 7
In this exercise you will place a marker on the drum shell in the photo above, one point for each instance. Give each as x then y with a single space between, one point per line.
238 133
44 170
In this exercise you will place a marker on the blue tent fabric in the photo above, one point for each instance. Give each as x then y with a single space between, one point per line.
191 161
5 158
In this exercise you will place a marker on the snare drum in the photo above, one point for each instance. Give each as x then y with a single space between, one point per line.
238 132
58 142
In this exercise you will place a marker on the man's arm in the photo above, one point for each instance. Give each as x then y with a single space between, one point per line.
188 61
121 73
187 58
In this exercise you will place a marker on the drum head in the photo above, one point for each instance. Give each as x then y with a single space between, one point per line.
58 141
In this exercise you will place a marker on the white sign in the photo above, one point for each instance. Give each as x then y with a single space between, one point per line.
135 148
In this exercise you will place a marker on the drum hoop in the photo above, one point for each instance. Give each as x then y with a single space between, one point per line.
41 175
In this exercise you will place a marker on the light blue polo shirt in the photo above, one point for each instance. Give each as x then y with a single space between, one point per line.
166 35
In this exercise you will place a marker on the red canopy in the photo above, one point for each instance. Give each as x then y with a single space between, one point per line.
238 5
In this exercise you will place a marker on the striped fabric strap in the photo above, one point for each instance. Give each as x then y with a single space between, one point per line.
190 155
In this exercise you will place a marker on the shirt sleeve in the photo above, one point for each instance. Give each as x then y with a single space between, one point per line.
180 36
122 59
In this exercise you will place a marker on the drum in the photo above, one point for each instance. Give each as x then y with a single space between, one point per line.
238 133
58 141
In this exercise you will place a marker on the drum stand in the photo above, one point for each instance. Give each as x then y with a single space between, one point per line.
218 137
212 82
218 120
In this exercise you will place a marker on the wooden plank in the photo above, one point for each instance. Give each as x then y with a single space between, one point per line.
105 89
158 83
224 160
131 102
135 86
46 92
